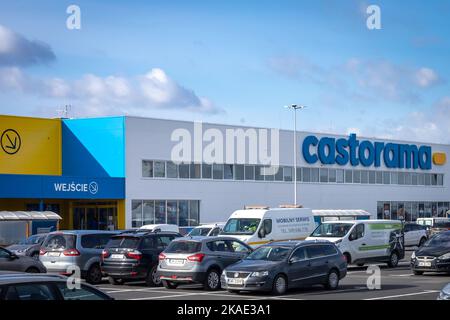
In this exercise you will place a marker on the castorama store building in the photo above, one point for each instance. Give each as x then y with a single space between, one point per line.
123 172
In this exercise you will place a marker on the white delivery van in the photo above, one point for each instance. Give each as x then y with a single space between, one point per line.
363 241
207 230
259 225
160 227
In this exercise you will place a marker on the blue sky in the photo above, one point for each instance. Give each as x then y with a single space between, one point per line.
236 62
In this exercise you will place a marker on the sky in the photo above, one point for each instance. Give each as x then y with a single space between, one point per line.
234 62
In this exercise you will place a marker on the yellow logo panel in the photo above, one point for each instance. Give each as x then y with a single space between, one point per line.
439 158
30 146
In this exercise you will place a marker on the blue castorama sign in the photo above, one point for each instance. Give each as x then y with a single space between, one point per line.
366 153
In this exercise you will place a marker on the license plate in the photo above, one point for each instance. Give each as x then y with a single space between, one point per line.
424 264
176 261
236 281
117 256
54 254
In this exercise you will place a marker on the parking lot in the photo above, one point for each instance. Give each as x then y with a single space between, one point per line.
398 283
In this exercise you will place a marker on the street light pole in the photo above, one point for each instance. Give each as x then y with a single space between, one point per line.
295 107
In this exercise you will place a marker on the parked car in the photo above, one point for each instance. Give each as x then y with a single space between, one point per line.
160 227
207 230
29 247
433 256
62 250
363 241
279 266
415 234
199 260
24 286
12 262
445 293
134 256
440 226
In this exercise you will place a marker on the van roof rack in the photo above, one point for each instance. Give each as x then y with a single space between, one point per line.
291 206
256 207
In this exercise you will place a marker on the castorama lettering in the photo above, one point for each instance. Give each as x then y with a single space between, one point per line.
341 151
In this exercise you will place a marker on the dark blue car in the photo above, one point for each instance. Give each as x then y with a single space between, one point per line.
279 266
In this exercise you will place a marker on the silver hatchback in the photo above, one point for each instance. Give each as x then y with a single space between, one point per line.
61 251
199 260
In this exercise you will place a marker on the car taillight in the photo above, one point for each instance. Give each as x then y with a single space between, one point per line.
105 254
71 252
134 255
42 252
161 256
198 257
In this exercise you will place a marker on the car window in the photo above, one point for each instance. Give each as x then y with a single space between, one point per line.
184 247
95 241
407 228
123 242
83 293
237 246
163 241
220 245
314 251
215 232
60 241
267 225
358 231
328 250
4 253
31 291
148 243
299 254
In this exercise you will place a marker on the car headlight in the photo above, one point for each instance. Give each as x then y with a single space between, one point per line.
413 256
444 296
259 274
445 256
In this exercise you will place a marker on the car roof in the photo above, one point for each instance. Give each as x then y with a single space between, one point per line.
296 243
81 232
8 277
141 233
204 238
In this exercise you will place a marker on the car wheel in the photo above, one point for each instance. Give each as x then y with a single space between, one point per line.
393 260
32 270
360 264
169 284
422 241
212 281
332 280
152 280
115 281
94 274
417 273
279 286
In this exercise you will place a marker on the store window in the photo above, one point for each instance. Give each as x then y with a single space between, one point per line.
340 176
195 171
147 168
299 174
279 174
148 212
323 175
306 175
386 177
394 177
356 176
206 171
401 178
420 179
183 213
183 171
217 171
172 214
259 174
239 172
160 211
379 177
249 172
372 177
228 172
159 169
287 173
194 213
172 169
314 175
348 176
364 176
136 213
180 212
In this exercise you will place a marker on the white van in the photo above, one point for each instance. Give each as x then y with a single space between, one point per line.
260 225
160 227
207 230
363 241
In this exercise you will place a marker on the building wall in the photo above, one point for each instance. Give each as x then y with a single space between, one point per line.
151 139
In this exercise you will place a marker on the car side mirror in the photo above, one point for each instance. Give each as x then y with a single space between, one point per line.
13 256
261 233
351 237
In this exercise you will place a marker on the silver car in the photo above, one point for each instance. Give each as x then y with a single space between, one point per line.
63 250
199 260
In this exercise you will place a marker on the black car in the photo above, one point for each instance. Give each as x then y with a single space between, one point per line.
433 256
279 266
11 262
134 256
29 247
26 287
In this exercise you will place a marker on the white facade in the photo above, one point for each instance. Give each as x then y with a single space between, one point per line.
150 139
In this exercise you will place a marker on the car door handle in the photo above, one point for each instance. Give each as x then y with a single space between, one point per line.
363 244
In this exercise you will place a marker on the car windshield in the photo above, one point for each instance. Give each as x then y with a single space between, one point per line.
245 226
184 247
123 242
269 253
442 224
439 240
200 232
36 239
332 230
60 241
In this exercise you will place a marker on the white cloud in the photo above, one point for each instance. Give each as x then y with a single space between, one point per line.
16 50
426 77
94 95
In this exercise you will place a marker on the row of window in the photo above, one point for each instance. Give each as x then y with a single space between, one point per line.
168 169
181 212
411 210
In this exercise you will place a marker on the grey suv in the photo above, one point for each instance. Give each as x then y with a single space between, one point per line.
199 260
81 248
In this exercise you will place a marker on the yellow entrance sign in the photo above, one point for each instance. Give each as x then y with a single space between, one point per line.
439 158
30 146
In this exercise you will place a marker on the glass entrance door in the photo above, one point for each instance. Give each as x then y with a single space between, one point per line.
95 216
